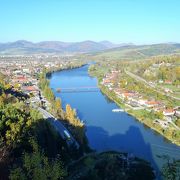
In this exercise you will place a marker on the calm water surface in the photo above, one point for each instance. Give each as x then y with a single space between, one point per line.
107 130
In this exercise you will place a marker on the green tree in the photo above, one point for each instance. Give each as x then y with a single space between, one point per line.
159 115
38 167
171 170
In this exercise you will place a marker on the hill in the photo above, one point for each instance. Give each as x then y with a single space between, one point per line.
56 47
100 50
138 52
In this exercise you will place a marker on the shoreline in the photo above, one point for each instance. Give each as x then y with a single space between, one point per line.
84 147
133 115
51 71
122 105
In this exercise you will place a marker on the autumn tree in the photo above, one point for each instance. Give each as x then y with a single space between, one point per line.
56 109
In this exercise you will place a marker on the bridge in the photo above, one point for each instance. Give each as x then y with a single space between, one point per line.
78 89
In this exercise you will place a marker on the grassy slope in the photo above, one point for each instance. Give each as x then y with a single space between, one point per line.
138 52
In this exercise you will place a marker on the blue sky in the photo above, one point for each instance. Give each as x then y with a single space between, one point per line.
121 21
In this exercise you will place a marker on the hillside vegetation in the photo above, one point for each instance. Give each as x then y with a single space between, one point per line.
137 52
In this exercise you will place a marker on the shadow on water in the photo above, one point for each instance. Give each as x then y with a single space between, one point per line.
131 142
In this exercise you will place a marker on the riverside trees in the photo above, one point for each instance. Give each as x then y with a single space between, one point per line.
77 126
68 116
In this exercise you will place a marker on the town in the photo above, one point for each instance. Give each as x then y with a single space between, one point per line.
135 101
23 72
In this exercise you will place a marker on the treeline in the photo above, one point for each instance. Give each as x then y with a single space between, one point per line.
67 116
67 65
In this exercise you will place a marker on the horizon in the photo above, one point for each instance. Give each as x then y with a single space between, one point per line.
115 43
136 22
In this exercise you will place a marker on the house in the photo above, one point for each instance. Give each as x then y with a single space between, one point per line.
142 102
30 89
177 113
169 112
161 81
168 82
118 91
151 104
26 70
128 94
106 81
168 90
20 80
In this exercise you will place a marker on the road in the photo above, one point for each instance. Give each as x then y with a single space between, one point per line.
138 78
58 126
168 119
175 125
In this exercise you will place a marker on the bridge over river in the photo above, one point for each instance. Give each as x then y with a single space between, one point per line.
78 89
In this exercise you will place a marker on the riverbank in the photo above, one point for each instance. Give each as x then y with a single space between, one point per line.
134 113
68 115
73 66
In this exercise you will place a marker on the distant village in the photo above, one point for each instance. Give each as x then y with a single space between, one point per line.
134 100
23 72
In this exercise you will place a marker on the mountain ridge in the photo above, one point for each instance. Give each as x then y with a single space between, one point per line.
28 47
23 47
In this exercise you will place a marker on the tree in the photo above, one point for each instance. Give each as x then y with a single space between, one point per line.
48 94
178 122
78 126
70 113
159 115
171 169
37 166
57 108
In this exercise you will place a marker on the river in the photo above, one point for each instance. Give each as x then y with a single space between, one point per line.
107 130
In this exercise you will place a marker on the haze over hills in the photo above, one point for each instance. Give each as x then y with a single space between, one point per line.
139 52
27 47
99 49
